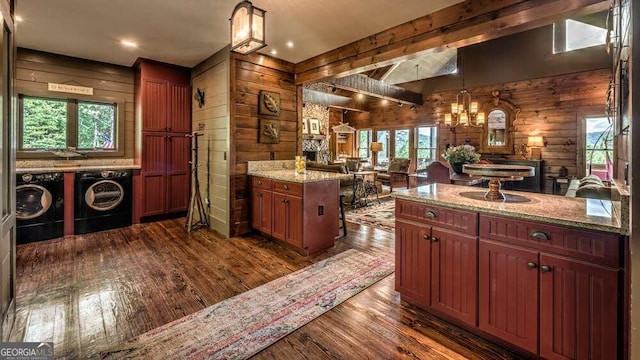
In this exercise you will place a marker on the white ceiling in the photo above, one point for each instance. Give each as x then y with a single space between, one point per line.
185 32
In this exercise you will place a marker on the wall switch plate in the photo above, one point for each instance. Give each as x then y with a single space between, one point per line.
321 210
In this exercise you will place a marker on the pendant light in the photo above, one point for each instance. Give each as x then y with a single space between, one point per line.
247 28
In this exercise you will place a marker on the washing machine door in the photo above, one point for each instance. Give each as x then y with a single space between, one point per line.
104 195
32 201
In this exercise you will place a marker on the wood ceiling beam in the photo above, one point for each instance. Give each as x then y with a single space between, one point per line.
463 24
365 85
332 100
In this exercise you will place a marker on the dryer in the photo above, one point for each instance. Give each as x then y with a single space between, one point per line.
39 207
102 200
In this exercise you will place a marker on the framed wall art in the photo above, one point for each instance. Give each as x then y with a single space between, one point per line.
314 126
269 103
305 126
269 131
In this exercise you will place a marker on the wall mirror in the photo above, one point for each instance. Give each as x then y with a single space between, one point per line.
498 131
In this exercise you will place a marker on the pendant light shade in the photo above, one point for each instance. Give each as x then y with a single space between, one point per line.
247 28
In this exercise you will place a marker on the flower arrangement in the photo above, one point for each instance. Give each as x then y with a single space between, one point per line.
465 154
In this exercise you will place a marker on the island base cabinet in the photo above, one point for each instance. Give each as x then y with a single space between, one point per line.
454 270
413 254
261 208
287 219
508 294
578 309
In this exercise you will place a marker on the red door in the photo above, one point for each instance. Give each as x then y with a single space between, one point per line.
578 309
178 172
154 105
179 109
279 229
454 282
294 221
508 294
154 163
413 261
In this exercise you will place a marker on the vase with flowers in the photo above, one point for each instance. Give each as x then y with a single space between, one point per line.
460 155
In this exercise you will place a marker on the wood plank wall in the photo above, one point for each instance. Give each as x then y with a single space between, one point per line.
34 69
250 74
551 107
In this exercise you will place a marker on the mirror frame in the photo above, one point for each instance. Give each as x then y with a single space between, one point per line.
511 112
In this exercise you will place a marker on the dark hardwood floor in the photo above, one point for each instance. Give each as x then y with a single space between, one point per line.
90 293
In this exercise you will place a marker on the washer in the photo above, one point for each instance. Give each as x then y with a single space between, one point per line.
102 200
39 207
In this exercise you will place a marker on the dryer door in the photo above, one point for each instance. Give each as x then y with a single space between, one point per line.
32 201
104 195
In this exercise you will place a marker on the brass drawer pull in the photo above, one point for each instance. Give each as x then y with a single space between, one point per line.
531 265
545 268
434 239
286 187
426 237
431 214
259 182
540 235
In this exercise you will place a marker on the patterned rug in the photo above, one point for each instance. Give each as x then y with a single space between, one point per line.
241 326
380 216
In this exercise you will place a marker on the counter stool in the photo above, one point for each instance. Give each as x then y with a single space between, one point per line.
343 221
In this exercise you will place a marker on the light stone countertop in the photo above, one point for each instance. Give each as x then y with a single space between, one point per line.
75 168
291 175
594 214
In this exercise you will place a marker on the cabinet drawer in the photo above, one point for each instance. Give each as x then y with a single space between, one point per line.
261 183
462 221
590 245
289 188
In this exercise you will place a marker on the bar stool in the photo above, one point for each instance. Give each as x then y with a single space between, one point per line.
343 221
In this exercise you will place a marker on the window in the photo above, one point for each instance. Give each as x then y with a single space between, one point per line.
402 143
572 35
426 148
599 147
51 123
383 136
364 139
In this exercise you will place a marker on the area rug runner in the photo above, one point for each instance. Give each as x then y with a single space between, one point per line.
381 216
241 326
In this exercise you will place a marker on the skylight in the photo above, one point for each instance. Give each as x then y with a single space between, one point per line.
572 35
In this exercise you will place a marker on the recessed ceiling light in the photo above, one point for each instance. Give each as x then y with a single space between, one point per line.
360 96
274 52
129 43
290 44
384 101
19 18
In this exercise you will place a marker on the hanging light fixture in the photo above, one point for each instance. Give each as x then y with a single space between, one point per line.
464 112
247 28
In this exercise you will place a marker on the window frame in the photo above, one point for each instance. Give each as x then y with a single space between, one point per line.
434 146
387 144
369 139
72 124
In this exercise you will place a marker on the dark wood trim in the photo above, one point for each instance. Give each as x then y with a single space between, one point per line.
231 156
42 57
326 99
69 203
362 84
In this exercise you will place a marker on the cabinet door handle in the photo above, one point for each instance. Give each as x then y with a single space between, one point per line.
531 265
259 182
545 268
540 235
426 237
286 187
285 201
434 239
431 214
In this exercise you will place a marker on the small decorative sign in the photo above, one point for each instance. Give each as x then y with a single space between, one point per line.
269 103
73 89
269 131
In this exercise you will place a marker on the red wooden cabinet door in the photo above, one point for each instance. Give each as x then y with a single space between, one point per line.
578 309
293 217
261 207
508 294
154 163
454 269
178 172
154 105
279 228
179 109
413 262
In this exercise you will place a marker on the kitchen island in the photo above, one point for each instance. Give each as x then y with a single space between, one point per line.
300 210
543 274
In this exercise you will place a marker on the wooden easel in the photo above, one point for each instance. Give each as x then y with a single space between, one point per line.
200 218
